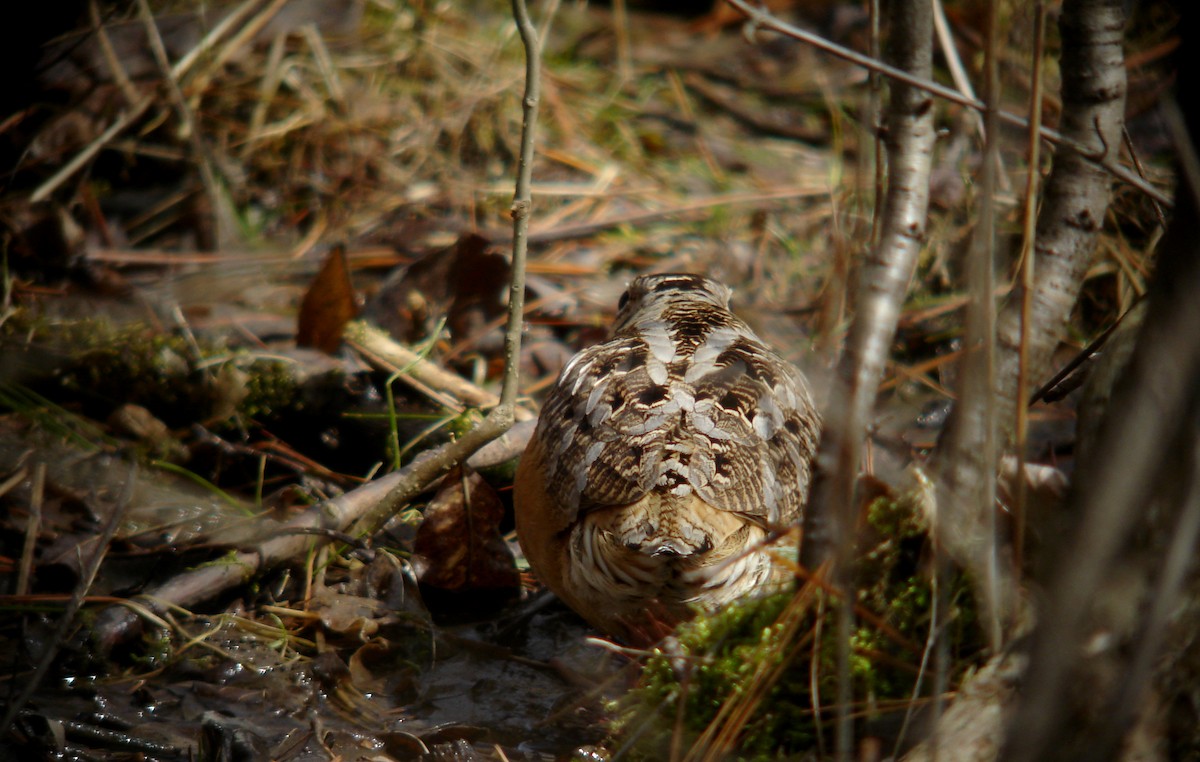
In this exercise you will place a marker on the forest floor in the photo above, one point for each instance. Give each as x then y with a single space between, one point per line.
175 393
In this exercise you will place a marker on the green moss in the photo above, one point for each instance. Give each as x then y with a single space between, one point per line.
100 366
714 661
745 651
270 387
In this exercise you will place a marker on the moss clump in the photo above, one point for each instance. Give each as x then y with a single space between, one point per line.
100 366
716 659
752 667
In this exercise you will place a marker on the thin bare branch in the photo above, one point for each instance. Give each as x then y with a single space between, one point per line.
969 503
1032 176
883 282
501 417
1083 145
522 207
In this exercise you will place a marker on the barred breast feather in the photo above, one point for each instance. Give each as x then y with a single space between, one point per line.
685 398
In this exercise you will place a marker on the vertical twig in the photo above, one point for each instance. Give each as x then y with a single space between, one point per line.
32 528
884 276
876 85
522 207
1033 172
975 412
500 418
621 32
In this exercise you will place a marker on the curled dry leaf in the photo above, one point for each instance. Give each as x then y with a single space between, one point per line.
328 305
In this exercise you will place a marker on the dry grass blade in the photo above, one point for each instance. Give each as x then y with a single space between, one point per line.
32 528
1026 275
110 56
223 213
136 110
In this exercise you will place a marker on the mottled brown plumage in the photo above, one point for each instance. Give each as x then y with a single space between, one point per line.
660 460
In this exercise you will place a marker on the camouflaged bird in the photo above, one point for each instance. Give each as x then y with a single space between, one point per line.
661 460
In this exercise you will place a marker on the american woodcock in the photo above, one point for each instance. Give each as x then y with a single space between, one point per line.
662 459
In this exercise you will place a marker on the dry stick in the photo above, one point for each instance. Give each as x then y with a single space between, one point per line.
447 389
110 56
1097 154
86 578
118 126
974 422
884 278
290 540
282 543
1061 383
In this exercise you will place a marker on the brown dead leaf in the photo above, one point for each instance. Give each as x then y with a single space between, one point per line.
328 305
460 538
